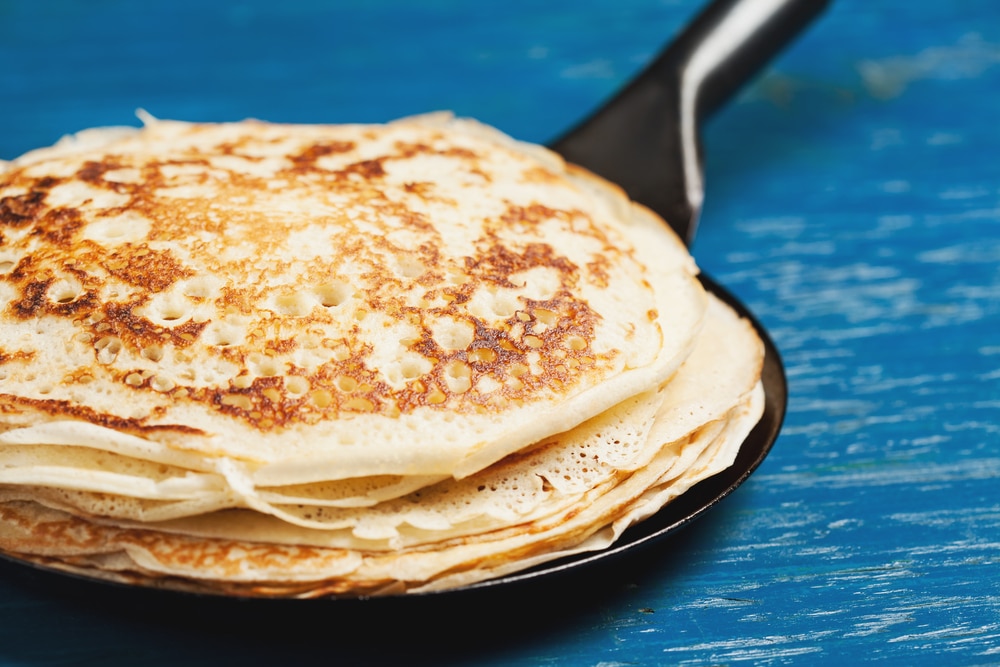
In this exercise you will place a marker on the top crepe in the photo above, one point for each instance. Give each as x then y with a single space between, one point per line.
327 302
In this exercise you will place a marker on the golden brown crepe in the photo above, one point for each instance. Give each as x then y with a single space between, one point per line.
338 360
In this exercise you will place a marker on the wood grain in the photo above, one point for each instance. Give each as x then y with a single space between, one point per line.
853 203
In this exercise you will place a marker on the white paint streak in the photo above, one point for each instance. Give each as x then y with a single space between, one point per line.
963 547
960 630
594 69
756 650
978 251
873 624
889 475
969 58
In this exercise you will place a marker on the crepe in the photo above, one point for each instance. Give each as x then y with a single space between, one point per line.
280 360
417 298
257 568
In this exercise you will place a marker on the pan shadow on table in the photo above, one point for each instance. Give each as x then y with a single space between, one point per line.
120 625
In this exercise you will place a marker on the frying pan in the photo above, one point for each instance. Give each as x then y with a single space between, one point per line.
647 140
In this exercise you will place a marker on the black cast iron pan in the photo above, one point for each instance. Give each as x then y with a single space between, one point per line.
646 139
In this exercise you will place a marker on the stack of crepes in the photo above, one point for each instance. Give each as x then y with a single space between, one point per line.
270 360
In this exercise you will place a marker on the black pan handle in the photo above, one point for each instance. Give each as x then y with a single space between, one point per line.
647 137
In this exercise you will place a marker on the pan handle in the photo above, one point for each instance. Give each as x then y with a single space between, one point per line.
730 42
647 137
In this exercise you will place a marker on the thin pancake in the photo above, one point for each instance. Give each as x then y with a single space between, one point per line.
259 569
263 359
720 373
325 302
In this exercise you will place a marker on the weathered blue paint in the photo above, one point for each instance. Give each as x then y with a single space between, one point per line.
853 203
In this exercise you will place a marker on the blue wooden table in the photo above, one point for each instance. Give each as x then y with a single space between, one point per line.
853 203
